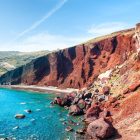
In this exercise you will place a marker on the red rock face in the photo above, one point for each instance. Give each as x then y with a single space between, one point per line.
77 66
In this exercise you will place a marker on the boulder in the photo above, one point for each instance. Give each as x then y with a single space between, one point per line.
101 98
106 90
19 116
132 88
92 113
75 110
87 95
58 101
75 101
67 101
101 129
80 131
81 104
105 113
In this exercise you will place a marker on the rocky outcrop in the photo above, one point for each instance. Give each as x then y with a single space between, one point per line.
100 129
77 66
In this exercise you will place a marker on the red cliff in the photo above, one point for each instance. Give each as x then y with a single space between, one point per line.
77 66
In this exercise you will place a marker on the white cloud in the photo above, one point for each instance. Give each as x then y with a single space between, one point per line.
45 41
106 28
44 18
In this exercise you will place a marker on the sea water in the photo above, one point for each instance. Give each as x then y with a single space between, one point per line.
43 123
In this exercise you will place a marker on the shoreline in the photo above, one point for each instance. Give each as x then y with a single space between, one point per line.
41 89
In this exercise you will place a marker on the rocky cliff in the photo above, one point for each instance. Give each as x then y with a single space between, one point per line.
77 66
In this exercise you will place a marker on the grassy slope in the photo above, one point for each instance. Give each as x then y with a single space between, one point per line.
17 59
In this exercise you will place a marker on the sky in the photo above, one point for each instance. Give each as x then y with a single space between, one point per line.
35 25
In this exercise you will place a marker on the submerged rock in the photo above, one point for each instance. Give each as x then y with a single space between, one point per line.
32 120
19 116
28 110
68 129
80 131
16 127
62 119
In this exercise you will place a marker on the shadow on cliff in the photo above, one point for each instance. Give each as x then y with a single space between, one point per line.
64 65
41 67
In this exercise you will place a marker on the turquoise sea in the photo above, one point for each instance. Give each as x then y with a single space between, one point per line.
44 123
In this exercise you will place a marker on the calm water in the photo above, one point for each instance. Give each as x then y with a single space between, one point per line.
44 123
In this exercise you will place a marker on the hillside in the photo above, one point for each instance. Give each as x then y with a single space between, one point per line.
10 60
106 70
77 66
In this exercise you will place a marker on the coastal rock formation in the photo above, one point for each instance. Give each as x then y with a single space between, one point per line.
19 116
78 66
106 71
111 101
100 129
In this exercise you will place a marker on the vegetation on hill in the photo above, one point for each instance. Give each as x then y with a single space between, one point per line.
12 59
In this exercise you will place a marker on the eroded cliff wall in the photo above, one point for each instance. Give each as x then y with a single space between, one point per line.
77 66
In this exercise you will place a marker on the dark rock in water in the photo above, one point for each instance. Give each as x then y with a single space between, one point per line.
75 110
28 110
52 103
58 101
68 129
100 129
80 131
19 116
64 123
71 122
66 101
66 107
16 127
